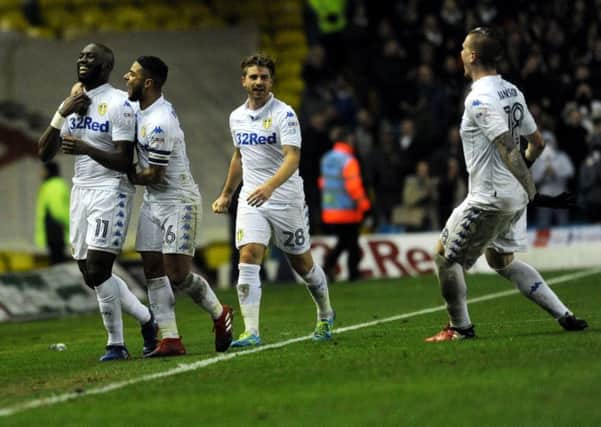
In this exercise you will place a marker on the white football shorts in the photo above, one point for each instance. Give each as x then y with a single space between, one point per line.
471 229
288 224
169 227
98 220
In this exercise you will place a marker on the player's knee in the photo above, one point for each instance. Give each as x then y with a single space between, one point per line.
302 263
96 273
251 254
497 260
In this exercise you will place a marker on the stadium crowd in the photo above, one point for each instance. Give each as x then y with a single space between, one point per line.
392 71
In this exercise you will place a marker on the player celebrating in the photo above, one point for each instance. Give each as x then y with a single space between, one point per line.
267 142
96 125
492 218
167 231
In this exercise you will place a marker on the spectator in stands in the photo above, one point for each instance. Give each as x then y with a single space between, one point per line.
344 201
418 210
572 136
385 176
452 189
551 173
589 180
52 213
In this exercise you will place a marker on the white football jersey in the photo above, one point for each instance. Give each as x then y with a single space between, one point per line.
260 135
493 106
109 118
161 143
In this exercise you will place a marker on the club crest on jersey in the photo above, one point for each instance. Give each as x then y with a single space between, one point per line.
143 131
102 108
267 123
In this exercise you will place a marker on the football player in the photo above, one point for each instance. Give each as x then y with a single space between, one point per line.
492 218
95 124
267 141
168 230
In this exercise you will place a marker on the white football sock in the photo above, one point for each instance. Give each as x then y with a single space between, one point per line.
317 285
454 291
201 293
162 303
249 295
107 294
532 285
130 303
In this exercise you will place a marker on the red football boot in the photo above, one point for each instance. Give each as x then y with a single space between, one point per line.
451 333
168 347
223 327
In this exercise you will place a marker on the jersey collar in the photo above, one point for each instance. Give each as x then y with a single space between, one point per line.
98 89
485 80
255 114
152 106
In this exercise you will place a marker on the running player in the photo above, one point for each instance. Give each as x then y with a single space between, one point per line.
492 218
168 227
96 125
267 142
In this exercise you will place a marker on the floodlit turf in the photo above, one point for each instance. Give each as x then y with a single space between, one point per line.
522 370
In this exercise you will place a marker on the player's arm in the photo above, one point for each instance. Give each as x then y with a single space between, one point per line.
151 175
120 159
50 141
535 147
510 154
232 181
290 164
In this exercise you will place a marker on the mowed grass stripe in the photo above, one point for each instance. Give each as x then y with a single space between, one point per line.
186 367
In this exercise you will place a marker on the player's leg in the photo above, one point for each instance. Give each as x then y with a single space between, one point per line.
179 270
162 304
532 285
291 234
249 292
466 234
499 255
149 243
317 285
107 222
253 233
98 266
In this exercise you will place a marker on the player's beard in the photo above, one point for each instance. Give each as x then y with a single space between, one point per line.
135 93
91 78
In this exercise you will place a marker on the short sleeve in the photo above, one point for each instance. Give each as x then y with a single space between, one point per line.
123 122
487 115
289 128
160 142
528 125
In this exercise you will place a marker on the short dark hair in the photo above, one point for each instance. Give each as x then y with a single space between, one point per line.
258 60
109 56
486 43
155 68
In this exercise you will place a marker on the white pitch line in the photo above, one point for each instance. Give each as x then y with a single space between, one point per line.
186 367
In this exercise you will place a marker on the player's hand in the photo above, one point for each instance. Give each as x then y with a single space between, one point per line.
76 103
259 196
563 200
72 145
222 204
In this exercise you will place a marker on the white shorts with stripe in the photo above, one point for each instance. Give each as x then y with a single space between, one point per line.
288 224
472 228
98 220
169 227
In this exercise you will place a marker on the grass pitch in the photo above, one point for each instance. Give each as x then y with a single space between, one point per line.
523 369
